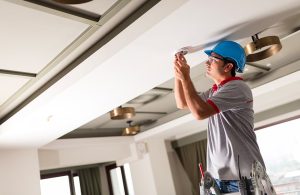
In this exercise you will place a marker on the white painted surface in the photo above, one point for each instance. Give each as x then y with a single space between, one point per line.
182 183
15 83
161 169
153 175
75 152
142 177
30 39
19 172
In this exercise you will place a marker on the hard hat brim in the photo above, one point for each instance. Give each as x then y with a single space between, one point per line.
208 52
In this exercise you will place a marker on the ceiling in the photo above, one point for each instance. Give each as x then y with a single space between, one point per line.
52 36
159 102
66 67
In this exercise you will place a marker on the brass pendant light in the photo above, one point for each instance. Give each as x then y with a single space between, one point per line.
72 1
122 113
131 130
272 43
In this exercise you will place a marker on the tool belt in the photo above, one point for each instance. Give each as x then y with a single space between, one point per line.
257 184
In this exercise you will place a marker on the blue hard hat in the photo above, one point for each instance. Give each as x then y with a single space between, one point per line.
232 51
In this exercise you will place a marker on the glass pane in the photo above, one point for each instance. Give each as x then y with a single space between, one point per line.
55 185
117 181
279 145
77 185
128 179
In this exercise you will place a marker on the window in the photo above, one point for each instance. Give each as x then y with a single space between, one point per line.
77 185
119 180
279 145
55 185
128 179
63 183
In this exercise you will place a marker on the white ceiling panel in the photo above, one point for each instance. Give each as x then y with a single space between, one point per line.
161 104
96 6
10 84
97 122
29 45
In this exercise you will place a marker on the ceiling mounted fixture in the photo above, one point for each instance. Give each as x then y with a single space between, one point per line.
122 113
72 1
131 130
272 43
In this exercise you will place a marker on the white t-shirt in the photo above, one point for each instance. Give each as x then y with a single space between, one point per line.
230 131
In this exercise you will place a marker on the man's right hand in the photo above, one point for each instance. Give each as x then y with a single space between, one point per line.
182 69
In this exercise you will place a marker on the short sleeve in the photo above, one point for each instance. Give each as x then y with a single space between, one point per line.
204 95
232 96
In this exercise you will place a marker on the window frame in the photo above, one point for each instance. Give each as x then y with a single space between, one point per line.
110 167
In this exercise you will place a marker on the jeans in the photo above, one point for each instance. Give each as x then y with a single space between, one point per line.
228 186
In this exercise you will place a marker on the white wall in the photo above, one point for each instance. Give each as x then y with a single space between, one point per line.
19 172
142 177
161 167
75 152
151 172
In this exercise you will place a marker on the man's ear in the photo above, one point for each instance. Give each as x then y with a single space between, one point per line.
228 67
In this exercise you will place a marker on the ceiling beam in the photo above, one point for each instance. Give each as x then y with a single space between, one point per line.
73 13
7 111
40 6
17 73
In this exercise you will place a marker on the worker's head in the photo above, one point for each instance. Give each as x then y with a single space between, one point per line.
229 56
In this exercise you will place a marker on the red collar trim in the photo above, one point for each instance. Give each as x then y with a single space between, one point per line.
215 87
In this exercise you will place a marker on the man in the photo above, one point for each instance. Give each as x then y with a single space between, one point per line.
228 105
